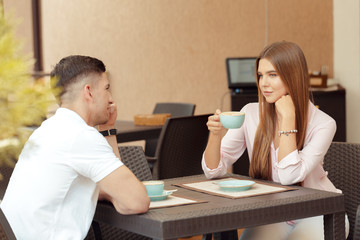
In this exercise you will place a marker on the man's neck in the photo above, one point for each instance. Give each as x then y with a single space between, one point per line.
81 111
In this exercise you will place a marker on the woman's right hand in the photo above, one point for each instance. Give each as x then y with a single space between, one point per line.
214 125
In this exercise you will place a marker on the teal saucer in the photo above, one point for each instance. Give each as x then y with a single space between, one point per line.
160 197
235 185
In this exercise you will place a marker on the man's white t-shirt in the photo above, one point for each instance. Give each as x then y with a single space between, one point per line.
52 193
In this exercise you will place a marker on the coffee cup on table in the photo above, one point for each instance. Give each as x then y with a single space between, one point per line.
232 119
154 187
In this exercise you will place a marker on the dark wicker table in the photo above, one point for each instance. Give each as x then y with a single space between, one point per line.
222 214
127 131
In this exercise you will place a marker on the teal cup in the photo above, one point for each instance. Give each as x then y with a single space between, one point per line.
232 119
154 187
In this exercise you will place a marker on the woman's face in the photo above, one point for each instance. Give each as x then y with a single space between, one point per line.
270 83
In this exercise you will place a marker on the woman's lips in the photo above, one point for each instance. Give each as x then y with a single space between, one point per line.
267 93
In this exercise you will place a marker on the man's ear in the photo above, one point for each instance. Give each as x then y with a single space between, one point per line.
87 93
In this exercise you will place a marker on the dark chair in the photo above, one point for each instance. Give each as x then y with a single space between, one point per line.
134 158
6 172
176 110
241 166
181 144
342 161
180 148
6 232
5 228
356 235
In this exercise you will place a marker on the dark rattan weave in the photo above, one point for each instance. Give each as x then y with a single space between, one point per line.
5 229
133 157
176 110
356 235
342 161
181 144
6 172
6 232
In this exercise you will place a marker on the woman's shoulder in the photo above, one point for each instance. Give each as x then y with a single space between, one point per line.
252 107
319 117
251 111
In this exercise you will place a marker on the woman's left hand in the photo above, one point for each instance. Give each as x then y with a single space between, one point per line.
285 107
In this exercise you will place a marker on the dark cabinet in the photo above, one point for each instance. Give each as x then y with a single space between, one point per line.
330 101
333 103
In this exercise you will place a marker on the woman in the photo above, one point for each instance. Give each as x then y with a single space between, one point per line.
285 134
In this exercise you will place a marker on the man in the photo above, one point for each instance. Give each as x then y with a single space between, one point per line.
67 162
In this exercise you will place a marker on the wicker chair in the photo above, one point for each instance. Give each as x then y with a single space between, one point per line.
176 110
181 144
342 161
5 228
6 172
6 232
356 235
133 157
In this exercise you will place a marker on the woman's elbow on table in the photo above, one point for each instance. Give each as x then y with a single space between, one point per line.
290 179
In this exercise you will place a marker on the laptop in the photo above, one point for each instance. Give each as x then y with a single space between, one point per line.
241 74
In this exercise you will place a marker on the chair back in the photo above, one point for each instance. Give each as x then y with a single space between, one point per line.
176 110
6 232
134 158
5 172
181 144
241 166
356 235
342 161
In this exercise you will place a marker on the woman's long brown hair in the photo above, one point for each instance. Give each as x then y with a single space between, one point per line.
290 64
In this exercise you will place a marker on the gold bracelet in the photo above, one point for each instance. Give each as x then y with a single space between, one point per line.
287 132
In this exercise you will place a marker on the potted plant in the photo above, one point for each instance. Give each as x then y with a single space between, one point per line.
24 101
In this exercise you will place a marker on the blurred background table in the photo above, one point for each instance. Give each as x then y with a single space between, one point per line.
127 131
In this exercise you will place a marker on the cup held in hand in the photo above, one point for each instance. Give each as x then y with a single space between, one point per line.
232 119
154 187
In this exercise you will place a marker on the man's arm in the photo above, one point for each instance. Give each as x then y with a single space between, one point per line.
110 125
125 191
122 187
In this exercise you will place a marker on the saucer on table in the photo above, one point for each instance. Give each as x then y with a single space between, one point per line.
163 196
235 185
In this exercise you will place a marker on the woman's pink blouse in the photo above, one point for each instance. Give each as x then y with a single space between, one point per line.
299 166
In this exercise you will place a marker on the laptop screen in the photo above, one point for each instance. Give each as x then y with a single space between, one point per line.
241 74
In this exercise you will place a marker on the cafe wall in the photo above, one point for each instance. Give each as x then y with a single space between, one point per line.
174 51
19 15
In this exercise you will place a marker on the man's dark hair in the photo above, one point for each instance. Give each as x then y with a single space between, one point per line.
72 68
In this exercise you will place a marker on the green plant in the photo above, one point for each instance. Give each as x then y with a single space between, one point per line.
24 101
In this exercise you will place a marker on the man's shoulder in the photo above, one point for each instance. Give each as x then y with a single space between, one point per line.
65 129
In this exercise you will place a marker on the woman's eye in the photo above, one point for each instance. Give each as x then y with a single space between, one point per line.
272 75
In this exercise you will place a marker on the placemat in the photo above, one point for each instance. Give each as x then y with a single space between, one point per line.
259 188
174 200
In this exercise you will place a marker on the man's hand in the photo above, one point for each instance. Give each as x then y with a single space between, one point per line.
112 115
